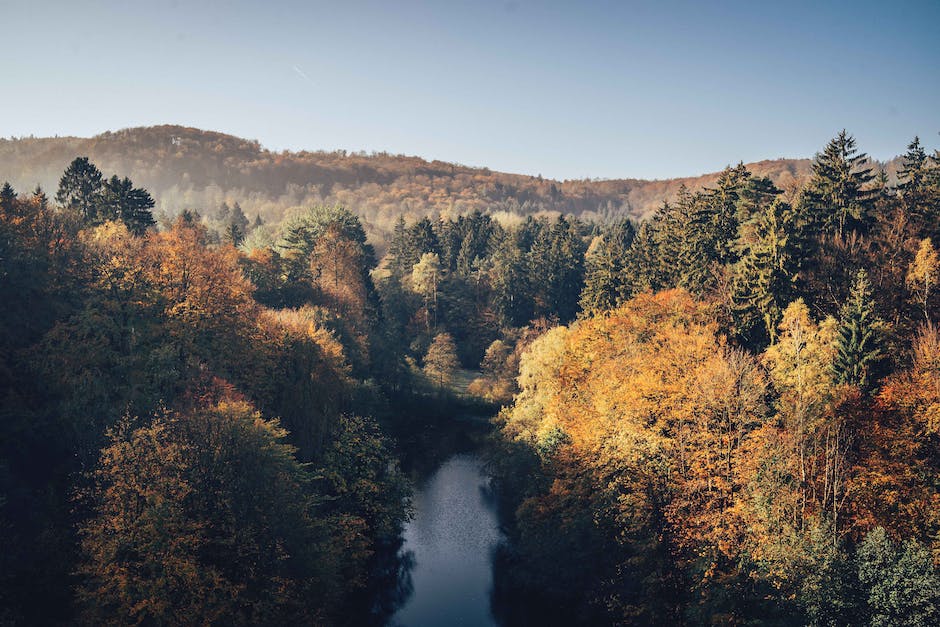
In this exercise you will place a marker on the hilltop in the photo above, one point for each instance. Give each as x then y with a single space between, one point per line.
192 168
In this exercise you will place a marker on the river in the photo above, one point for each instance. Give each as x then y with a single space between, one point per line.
449 545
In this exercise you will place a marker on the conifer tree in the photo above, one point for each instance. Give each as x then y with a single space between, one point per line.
858 337
919 189
80 188
40 196
605 281
397 250
238 218
509 281
120 200
837 199
7 198
233 234
764 278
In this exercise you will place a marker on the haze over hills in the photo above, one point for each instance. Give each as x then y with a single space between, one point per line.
191 168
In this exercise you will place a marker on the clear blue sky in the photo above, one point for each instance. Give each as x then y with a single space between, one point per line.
618 89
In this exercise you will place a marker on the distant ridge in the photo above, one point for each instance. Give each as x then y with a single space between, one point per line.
192 168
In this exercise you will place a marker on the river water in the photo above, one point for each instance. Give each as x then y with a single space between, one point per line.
449 545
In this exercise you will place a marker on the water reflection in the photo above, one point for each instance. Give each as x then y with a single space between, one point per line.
451 541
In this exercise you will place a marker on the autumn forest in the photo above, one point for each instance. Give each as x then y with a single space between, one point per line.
724 410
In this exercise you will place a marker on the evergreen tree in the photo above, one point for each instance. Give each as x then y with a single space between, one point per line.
80 189
238 218
717 219
398 249
7 198
511 296
764 277
421 239
556 270
233 234
605 283
858 339
40 196
837 200
919 189
120 200
223 213
640 262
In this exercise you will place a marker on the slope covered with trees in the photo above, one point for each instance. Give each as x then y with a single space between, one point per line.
177 444
187 168
724 413
741 427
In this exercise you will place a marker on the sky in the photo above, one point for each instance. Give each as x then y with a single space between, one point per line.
567 90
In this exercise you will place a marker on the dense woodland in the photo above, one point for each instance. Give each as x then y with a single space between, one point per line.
186 168
726 413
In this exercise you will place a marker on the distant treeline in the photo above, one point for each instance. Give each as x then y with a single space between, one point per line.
199 170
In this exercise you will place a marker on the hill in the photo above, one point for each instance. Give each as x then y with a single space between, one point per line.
191 168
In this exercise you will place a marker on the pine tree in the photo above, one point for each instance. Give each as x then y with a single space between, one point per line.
40 196
511 298
858 339
837 199
919 187
238 218
556 270
7 198
605 283
764 277
397 249
717 217
233 234
120 200
80 189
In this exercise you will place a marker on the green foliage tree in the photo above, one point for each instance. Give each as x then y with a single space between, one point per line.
606 284
204 517
837 199
7 198
440 362
901 582
425 279
858 337
80 188
764 277
120 200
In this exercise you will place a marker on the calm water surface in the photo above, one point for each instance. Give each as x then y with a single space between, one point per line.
450 543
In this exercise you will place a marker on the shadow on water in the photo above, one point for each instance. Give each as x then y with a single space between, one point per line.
442 571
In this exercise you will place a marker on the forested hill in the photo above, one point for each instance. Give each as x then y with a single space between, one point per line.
190 168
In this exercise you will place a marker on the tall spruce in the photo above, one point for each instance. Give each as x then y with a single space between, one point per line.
120 200
605 281
764 277
837 199
858 337
80 189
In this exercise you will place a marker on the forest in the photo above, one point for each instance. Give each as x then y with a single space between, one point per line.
727 412
188 168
